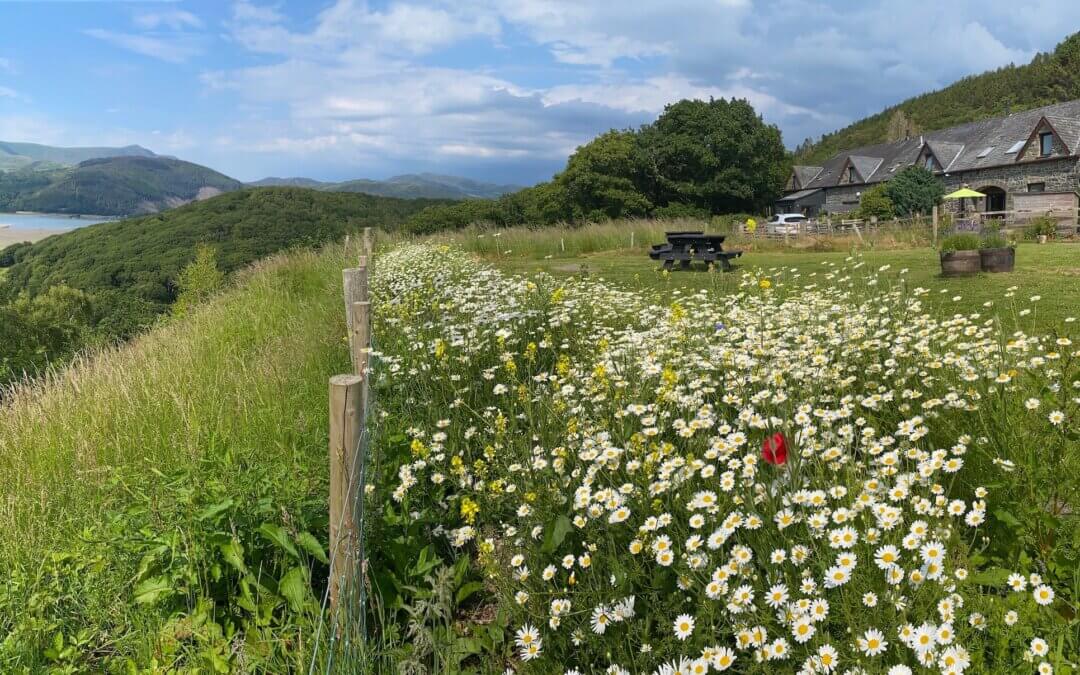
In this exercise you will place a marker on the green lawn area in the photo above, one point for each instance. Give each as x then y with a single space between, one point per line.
1051 271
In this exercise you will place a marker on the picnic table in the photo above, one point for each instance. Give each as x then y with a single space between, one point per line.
685 247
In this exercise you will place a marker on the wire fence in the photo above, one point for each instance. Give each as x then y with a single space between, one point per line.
341 639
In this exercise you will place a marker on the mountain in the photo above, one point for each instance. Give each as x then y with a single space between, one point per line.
23 155
1050 78
111 186
406 186
274 181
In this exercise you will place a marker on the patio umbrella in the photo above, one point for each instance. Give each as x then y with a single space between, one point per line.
962 194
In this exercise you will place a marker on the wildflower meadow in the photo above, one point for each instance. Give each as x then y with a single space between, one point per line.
809 473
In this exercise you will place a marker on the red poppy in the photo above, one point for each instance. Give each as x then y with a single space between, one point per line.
774 449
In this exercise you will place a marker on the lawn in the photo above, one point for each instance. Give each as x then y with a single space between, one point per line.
1051 271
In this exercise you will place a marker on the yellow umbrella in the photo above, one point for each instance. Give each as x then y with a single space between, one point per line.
963 192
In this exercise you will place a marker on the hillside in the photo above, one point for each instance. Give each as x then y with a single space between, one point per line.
143 255
209 430
406 186
113 186
1049 78
22 155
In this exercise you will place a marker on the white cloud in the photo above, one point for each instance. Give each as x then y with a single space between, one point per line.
176 19
7 66
359 84
173 49
8 92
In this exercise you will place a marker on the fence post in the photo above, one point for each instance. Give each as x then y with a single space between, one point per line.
631 239
346 426
934 222
360 337
367 243
355 286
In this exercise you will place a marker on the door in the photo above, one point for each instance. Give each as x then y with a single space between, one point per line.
994 202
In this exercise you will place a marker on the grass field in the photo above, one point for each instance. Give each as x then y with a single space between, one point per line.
160 498
1051 271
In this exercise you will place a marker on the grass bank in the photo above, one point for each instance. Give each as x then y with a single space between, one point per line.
161 498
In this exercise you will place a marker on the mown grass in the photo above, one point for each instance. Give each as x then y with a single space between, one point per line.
1051 271
224 409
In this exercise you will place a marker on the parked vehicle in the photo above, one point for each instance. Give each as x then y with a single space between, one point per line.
785 223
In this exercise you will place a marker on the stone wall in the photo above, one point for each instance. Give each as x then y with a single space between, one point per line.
1059 175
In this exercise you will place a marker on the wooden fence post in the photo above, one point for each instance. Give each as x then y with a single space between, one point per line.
355 285
360 337
368 243
346 427
934 222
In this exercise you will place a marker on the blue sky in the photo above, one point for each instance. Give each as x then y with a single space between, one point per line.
499 91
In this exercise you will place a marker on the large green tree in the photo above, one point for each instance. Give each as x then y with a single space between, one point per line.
717 155
602 178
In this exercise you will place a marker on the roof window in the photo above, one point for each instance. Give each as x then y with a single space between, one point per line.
1015 148
985 152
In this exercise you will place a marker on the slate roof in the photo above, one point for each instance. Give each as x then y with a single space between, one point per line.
805 174
795 196
957 148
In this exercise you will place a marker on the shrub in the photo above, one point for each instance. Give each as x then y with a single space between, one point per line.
914 189
875 203
1043 225
960 242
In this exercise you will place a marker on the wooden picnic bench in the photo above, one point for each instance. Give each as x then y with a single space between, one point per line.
685 247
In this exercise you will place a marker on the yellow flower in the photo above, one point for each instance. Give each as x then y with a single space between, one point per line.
557 295
418 448
765 284
469 509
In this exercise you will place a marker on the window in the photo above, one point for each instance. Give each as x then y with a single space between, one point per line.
985 152
929 163
1015 148
1046 144
851 174
1036 187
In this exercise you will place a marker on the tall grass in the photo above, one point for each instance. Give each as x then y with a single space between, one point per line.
638 235
228 402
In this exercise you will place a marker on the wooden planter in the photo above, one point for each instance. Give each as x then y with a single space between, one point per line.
960 263
997 259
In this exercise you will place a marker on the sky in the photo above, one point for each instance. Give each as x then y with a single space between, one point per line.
497 91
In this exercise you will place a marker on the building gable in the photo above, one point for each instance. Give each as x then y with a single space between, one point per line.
1044 141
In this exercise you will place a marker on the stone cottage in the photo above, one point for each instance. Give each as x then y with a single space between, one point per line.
1026 162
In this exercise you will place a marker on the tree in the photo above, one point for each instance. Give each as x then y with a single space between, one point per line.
914 190
874 203
900 127
717 155
602 178
198 281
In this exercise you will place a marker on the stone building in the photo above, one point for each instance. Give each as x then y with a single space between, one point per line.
1026 162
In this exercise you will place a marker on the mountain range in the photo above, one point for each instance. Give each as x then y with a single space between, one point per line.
14 156
406 186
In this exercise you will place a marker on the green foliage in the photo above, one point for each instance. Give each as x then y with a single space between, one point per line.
1049 78
198 281
132 270
165 503
1042 226
961 242
914 189
111 186
601 178
875 203
697 159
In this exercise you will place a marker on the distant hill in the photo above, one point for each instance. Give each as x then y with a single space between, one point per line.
15 156
407 186
1049 78
140 257
120 186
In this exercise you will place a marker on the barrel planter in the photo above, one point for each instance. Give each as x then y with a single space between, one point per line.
997 259
960 263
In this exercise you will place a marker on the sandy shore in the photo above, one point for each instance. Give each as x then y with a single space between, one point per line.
10 235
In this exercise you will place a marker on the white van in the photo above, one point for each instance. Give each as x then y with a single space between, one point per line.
785 223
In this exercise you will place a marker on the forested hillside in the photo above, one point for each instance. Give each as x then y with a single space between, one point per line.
22 155
109 280
406 186
1049 78
113 186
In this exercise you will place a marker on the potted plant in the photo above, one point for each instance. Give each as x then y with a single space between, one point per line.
960 255
996 254
1042 228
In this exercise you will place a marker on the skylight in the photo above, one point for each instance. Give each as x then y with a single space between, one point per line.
987 151
1015 148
